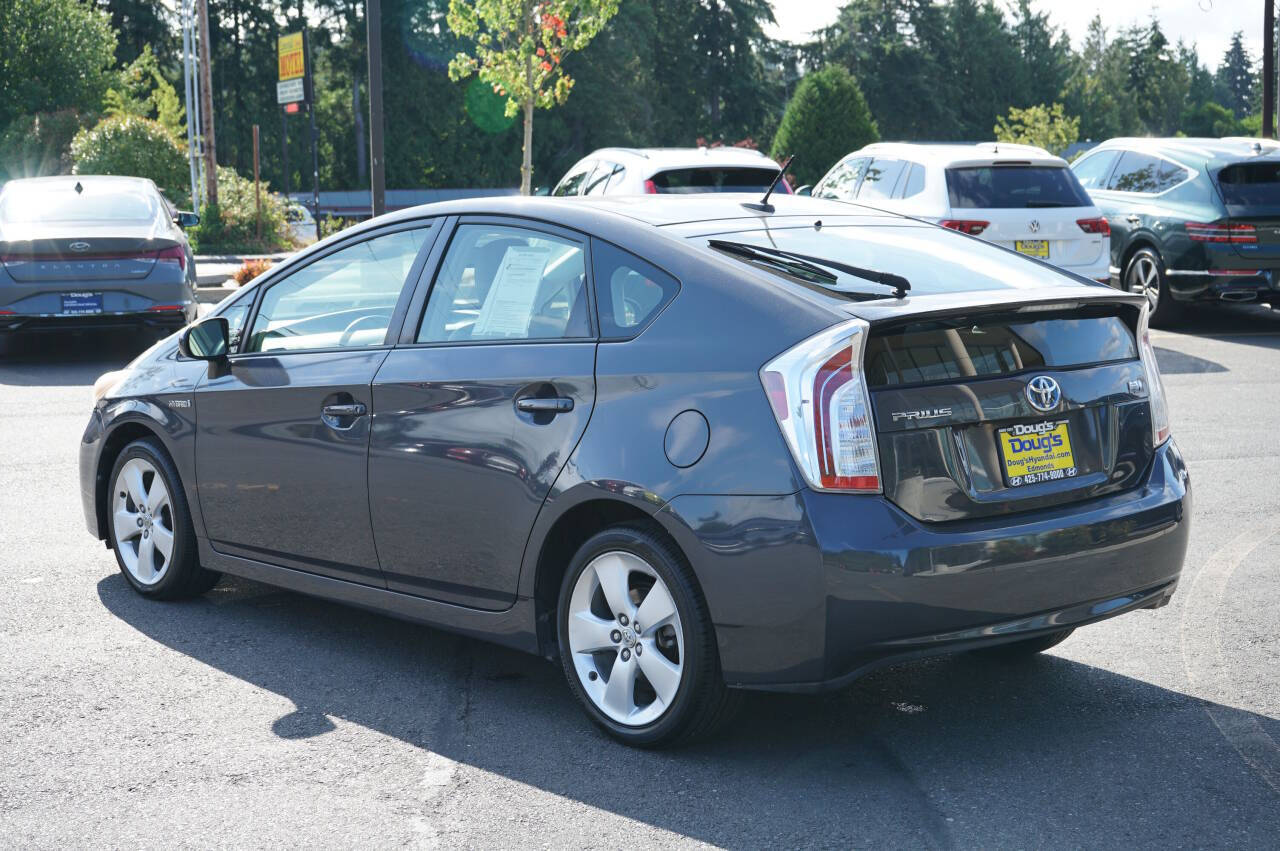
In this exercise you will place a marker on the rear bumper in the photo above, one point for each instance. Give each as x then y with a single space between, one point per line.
812 590
1194 285
34 323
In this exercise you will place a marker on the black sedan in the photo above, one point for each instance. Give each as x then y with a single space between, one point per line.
84 251
684 447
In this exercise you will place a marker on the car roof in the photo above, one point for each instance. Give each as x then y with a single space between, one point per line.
86 179
685 157
951 154
1201 152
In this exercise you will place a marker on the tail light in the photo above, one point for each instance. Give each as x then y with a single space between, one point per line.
1099 226
819 398
164 308
650 187
973 227
1236 234
1159 406
173 254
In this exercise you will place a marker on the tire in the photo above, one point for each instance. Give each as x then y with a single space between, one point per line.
1145 275
1015 650
145 505
638 562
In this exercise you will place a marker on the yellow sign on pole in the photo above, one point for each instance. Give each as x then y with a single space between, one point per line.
293 63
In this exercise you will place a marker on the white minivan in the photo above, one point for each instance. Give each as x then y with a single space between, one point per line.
1017 196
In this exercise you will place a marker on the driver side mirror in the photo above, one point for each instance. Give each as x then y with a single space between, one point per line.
186 220
208 340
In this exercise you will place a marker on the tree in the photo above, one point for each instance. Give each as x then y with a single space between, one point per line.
1236 80
57 54
826 119
133 146
1043 126
142 25
519 48
1211 119
143 91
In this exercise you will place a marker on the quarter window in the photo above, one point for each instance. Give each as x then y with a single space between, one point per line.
630 291
842 182
914 184
343 300
507 283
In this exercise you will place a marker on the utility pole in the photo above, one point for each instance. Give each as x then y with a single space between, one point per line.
1268 69
206 108
377 168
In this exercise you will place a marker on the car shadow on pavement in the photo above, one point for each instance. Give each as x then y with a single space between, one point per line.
955 751
68 359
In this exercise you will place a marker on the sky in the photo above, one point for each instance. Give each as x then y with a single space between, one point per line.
1206 23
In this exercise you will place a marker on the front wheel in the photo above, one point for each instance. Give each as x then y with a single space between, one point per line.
636 640
150 526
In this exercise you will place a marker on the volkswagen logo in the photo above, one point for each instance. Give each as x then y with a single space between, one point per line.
79 246
1043 393
1034 225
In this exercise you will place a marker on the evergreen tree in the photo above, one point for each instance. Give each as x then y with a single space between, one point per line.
826 119
1236 81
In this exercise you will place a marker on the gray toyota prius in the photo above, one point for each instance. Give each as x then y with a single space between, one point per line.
684 447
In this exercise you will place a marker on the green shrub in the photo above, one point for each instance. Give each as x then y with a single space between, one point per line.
1047 127
35 145
231 225
134 146
329 225
827 118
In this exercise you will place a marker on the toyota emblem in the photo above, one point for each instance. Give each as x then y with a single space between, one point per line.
1043 393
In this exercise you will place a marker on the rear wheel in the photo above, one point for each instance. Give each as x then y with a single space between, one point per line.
1027 646
149 525
1145 276
636 640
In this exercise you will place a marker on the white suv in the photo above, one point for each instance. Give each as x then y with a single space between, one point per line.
675 171
1017 196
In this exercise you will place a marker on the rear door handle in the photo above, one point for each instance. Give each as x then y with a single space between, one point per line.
355 409
554 405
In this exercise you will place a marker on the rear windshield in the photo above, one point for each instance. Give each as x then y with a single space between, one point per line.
1014 187
1253 184
59 202
682 181
962 350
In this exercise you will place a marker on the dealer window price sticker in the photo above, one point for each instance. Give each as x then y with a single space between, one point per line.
1037 453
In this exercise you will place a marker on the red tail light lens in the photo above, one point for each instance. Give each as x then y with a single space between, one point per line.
973 227
164 308
819 398
1099 226
650 187
1236 234
174 254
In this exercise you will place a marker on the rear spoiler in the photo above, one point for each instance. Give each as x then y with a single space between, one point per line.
942 305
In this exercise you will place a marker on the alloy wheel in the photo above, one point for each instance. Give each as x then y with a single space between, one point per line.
626 639
142 517
1144 279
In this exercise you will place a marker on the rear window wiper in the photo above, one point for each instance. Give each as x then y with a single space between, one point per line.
785 259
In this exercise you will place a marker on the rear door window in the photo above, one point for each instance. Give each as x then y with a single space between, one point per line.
1254 184
1001 187
683 181
1145 174
508 283
598 182
629 291
572 182
881 178
1092 171
842 182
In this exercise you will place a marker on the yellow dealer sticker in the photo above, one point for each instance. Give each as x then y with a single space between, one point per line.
1037 453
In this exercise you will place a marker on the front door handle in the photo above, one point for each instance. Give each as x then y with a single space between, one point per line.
355 409
554 405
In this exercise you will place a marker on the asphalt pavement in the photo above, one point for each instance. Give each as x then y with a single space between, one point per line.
255 717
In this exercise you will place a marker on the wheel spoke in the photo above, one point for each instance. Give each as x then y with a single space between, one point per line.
132 475
146 559
612 573
126 525
162 539
620 693
656 609
157 497
660 672
590 634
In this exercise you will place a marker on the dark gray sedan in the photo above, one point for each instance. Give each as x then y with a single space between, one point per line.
89 252
684 447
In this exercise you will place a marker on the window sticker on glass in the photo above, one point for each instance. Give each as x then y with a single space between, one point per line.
509 306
